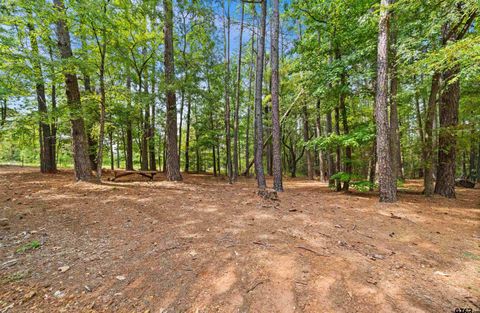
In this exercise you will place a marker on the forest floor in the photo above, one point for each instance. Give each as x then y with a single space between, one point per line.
203 245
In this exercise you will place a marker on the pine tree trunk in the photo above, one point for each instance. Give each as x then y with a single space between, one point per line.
173 162
306 138
47 159
79 141
394 125
372 166
187 135
53 125
102 109
386 180
129 152
338 161
318 128
471 172
227 94
151 132
237 104
249 107
258 101
447 139
346 131
330 162
144 121
427 151
276 129
112 157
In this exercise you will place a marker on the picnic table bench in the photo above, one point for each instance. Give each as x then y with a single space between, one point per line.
121 173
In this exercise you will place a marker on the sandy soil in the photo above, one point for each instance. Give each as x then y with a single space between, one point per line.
205 246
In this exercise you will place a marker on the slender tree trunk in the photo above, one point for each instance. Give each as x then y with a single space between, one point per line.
4 112
237 104
258 102
478 164
276 129
318 129
346 131
102 48
151 133
53 125
112 157
471 172
129 146
180 126
249 107
173 162
80 144
187 135
372 166
227 94
144 119
387 183
427 151
394 126
338 160
330 162
47 160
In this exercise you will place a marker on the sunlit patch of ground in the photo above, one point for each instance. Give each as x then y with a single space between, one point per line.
203 245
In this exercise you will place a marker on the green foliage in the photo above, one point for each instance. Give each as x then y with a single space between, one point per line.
35 244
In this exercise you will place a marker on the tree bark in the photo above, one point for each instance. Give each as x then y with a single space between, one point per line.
173 162
346 131
102 47
394 125
330 162
237 104
151 132
129 152
387 183
80 144
227 95
427 150
276 129
338 161
187 135
258 101
447 139
47 158
318 128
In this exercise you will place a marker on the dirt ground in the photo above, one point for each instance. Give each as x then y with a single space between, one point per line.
203 245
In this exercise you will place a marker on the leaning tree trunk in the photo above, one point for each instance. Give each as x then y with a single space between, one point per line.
386 181
79 144
173 162
276 130
258 101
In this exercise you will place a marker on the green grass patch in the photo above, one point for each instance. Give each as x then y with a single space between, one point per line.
35 244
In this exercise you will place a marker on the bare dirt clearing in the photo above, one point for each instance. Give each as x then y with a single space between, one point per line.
205 246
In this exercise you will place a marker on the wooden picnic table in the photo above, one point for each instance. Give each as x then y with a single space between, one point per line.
121 173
